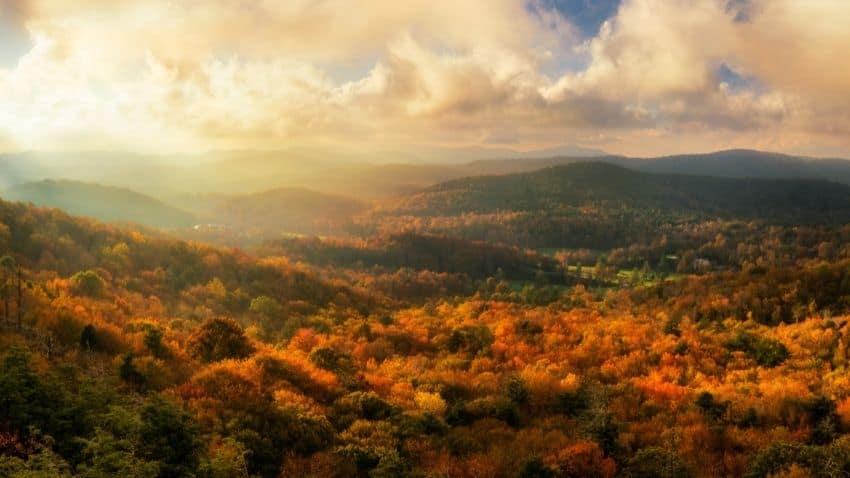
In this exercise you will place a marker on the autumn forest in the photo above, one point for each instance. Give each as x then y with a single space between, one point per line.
425 239
578 321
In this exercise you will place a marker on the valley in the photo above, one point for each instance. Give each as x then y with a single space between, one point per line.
565 319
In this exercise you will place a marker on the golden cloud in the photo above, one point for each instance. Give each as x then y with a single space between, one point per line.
205 74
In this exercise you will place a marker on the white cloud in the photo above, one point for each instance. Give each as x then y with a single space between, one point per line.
201 74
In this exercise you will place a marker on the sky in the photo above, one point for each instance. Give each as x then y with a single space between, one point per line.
634 77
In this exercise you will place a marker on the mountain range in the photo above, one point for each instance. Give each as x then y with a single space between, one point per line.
368 177
252 195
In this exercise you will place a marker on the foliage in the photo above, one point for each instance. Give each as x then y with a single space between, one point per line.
218 339
476 359
169 436
265 306
766 352
88 283
656 462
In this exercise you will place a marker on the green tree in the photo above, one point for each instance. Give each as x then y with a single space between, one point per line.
153 342
114 447
271 313
169 435
712 409
44 464
129 373
88 338
474 339
391 465
25 400
218 339
766 352
266 306
332 360
88 283
229 460
780 455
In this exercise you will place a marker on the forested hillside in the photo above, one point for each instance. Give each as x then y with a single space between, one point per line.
425 239
478 260
600 184
130 354
101 202
602 206
372 176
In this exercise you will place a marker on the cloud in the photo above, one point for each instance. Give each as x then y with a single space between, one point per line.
202 74
666 56
14 39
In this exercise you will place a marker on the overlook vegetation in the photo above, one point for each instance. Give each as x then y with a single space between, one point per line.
584 320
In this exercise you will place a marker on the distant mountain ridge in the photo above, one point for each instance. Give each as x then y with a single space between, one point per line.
271 212
366 177
599 205
611 186
740 163
105 203
733 163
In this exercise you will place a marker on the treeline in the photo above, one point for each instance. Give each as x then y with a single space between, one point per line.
476 259
771 296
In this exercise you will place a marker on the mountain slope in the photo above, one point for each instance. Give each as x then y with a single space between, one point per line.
741 163
733 163
601 184
370 176
150 263
105 203
603 206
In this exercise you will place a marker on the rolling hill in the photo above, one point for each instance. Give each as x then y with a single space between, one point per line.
733 163
370 176
606 185
104 203
598 205
362 178
743 163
